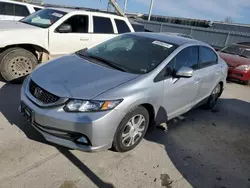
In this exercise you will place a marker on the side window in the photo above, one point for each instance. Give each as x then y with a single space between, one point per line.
21 10
7 9
122 26
207 57
188 57
78 23
37 9
102 25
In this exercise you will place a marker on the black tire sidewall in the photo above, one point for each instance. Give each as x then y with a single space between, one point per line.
117 142
9 55
208 104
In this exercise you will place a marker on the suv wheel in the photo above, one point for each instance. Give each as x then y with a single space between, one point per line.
16 63
131 130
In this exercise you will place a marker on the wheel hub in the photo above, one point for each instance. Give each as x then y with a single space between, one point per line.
133 130
20 66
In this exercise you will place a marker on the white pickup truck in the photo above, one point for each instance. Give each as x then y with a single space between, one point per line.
52 32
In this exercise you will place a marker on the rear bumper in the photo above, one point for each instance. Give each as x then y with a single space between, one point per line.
238 74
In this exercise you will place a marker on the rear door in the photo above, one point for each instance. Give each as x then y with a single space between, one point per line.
209 72
103 28
180 93
77 39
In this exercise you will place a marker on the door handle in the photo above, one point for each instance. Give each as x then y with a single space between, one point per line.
84 39
197 80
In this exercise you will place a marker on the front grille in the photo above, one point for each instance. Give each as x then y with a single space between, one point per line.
41 94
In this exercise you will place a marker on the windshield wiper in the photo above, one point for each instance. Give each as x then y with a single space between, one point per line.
109 63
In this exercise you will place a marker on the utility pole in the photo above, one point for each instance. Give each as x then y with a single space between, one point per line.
150 9
125 6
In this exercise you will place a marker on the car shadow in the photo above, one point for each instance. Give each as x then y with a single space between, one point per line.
9 103
209 148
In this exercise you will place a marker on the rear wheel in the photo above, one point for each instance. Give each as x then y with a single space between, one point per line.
16 63
213 97
131 130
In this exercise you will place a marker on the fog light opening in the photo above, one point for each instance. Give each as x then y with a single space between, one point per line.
82 140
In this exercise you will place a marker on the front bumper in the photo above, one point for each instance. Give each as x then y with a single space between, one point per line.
60 127
238 74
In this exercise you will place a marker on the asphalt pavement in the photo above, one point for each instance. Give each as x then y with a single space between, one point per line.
201 149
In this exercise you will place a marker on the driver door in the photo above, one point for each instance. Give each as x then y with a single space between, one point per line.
180 93
77 38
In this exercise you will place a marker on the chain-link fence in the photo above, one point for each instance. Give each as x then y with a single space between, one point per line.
214 37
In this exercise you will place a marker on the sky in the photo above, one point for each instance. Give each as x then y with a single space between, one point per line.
214 10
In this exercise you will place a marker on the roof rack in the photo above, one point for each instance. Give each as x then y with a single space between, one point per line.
112 2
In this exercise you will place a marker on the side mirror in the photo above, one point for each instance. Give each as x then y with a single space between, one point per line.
64 28
184 72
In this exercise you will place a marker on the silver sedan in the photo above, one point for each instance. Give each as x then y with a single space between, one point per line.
108 95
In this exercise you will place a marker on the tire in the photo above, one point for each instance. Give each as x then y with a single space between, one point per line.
246 82
212 99
135 134
16 63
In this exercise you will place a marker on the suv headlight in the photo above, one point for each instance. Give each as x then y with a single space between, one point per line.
76 105
243 67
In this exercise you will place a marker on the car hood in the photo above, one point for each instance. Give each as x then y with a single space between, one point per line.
14 25
234 60
73 77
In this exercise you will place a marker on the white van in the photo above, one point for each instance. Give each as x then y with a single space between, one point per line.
13 10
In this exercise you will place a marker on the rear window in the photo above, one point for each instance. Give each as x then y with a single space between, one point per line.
122 26
102 25
207 57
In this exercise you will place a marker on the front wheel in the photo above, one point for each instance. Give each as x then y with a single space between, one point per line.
246 82
212 99
131 130
16 63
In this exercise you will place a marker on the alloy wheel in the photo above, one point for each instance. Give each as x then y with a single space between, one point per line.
215 95
133 130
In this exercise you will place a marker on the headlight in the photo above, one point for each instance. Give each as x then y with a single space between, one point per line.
90 106
243 67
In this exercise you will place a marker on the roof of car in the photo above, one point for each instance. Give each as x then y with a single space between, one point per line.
68 10
20 3
169 38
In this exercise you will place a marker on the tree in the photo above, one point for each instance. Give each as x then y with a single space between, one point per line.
228 20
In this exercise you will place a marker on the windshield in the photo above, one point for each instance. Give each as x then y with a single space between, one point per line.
235 49
43 18
132 53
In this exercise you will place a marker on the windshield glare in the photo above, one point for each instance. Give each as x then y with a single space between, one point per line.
43 18
133 53
235 49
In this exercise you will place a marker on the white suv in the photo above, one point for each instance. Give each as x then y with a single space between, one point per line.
12 10
53 32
